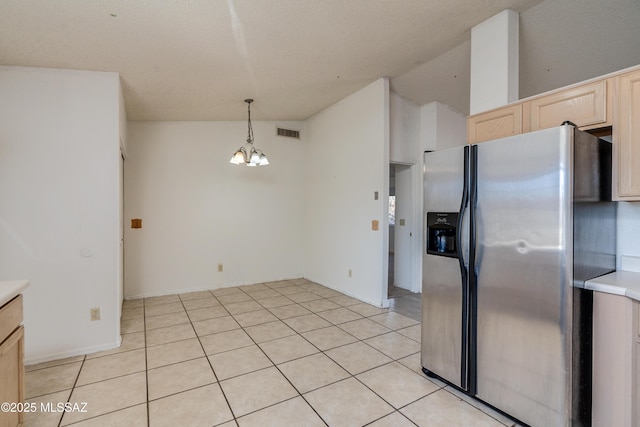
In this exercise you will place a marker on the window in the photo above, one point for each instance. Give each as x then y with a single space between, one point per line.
392 210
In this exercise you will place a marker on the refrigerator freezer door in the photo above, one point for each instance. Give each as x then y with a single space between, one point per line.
524 279
444 306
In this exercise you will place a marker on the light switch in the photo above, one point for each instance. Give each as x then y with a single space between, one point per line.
401 222
136 223
375 224
375 195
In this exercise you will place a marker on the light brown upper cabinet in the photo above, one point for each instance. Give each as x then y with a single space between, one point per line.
495 124
609 105
588 106
626 136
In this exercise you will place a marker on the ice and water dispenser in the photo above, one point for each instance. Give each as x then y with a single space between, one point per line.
441 233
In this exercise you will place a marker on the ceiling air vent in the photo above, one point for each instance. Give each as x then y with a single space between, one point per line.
289 133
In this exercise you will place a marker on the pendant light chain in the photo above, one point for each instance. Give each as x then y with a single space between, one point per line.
249 126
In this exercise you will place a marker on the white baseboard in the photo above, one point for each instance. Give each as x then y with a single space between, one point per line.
72 353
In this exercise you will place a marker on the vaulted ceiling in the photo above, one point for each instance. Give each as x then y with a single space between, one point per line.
198 59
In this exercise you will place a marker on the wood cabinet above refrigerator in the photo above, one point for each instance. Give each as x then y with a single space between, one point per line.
608 105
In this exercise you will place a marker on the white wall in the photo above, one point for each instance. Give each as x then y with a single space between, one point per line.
441 127
122 125
122 130
404 125
198 210
59 151
494 62
628 230
603 38
347 161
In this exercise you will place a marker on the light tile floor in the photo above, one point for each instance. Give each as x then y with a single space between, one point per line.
287 353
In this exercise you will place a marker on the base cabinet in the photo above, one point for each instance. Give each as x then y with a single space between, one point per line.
12 362
616 365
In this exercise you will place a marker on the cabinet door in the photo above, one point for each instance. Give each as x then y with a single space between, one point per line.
586 106
10 317
627 137
636 395
495 124
635 409
612 369
12 376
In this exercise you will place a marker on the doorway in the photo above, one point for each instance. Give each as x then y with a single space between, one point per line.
401 233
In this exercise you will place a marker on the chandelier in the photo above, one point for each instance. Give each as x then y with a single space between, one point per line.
248 154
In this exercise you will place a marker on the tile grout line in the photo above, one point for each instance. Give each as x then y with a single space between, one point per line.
96 382
389 403
354 376
72 389
182 361
344 368
282 373
209 361
440 388
146 364
336 362
323 298
393 360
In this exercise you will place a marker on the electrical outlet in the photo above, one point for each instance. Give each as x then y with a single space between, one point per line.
95 313
350 273
219 268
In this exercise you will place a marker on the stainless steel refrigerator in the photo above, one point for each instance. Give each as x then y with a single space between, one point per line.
513 229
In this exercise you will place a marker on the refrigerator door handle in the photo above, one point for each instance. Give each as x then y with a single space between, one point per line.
473 202
463 206
464 380
473 272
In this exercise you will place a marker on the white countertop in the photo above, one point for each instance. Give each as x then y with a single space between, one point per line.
10 289
625 283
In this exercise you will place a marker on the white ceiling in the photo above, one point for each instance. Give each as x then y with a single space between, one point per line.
198 59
